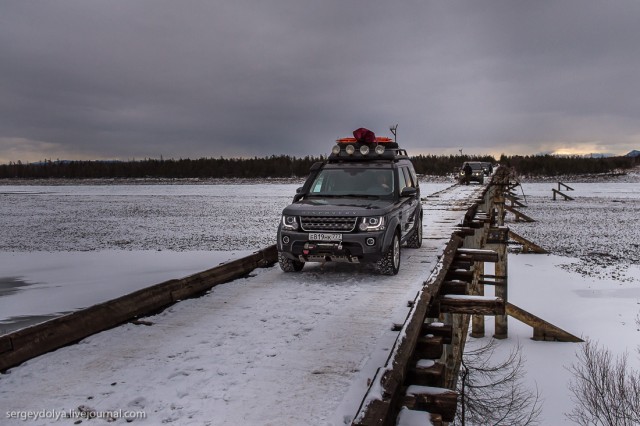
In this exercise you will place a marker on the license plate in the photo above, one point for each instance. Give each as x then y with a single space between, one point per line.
325 237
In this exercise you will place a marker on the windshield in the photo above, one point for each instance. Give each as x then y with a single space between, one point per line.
353 182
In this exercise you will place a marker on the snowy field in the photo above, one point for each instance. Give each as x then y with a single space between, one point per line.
65 247
589 285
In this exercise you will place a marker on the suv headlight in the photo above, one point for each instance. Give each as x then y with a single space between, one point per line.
373 223
290 223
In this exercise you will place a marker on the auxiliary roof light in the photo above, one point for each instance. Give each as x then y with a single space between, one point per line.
335 150
350 149
364 150
380 149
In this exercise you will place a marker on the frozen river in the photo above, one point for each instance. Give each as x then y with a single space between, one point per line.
65 247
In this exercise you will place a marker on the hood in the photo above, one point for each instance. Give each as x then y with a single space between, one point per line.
339 207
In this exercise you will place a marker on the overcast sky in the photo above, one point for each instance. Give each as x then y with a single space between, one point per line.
189 79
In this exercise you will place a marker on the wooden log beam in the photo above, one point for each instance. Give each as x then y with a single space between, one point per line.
464 232
490 282
30 342
462 264
459 274
514 200
543 330
407 416
439 329
429 347
567 187
527 246
476 305
427 373
455 287
519 215
478 255
437 400
566 197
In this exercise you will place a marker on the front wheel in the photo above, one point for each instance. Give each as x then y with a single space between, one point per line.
289 265
390 262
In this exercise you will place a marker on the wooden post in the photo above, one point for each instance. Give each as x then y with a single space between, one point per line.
497 240
499 203
477 321
501 321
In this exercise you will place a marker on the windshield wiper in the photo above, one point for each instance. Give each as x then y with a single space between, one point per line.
344 196
360 196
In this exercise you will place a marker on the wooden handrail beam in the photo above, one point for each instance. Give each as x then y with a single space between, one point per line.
567 187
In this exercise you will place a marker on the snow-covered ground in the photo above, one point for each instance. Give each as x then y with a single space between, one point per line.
589 286
76 239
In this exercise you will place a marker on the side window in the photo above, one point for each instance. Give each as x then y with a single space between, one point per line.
317 186
407 177
414 176
402 182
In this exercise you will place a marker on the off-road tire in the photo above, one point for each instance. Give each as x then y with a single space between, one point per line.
289 265
415 240
390 262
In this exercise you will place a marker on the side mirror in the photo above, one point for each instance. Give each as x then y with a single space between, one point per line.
299 190
408 192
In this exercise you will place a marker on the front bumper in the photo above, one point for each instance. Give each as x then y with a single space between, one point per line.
472 178
353 248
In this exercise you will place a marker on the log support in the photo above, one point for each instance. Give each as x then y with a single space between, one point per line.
542 330
519 215
566 197
565 186
527 246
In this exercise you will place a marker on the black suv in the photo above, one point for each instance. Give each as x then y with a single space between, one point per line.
360 205
476 175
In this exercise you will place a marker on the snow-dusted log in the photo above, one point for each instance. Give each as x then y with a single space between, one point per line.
438 400
477 305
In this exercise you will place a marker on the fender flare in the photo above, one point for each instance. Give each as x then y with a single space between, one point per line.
391 231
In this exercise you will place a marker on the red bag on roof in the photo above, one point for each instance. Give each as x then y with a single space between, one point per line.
363 135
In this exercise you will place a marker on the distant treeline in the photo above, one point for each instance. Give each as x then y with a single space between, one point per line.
287 166
555 165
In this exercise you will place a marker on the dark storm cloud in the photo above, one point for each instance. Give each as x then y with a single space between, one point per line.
198 78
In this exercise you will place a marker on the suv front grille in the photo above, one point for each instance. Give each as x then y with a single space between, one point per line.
328 223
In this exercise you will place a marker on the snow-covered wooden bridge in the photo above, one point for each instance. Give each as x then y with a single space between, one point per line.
334 344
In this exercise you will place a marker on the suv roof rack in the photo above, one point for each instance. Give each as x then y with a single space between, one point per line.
366 146
357 155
